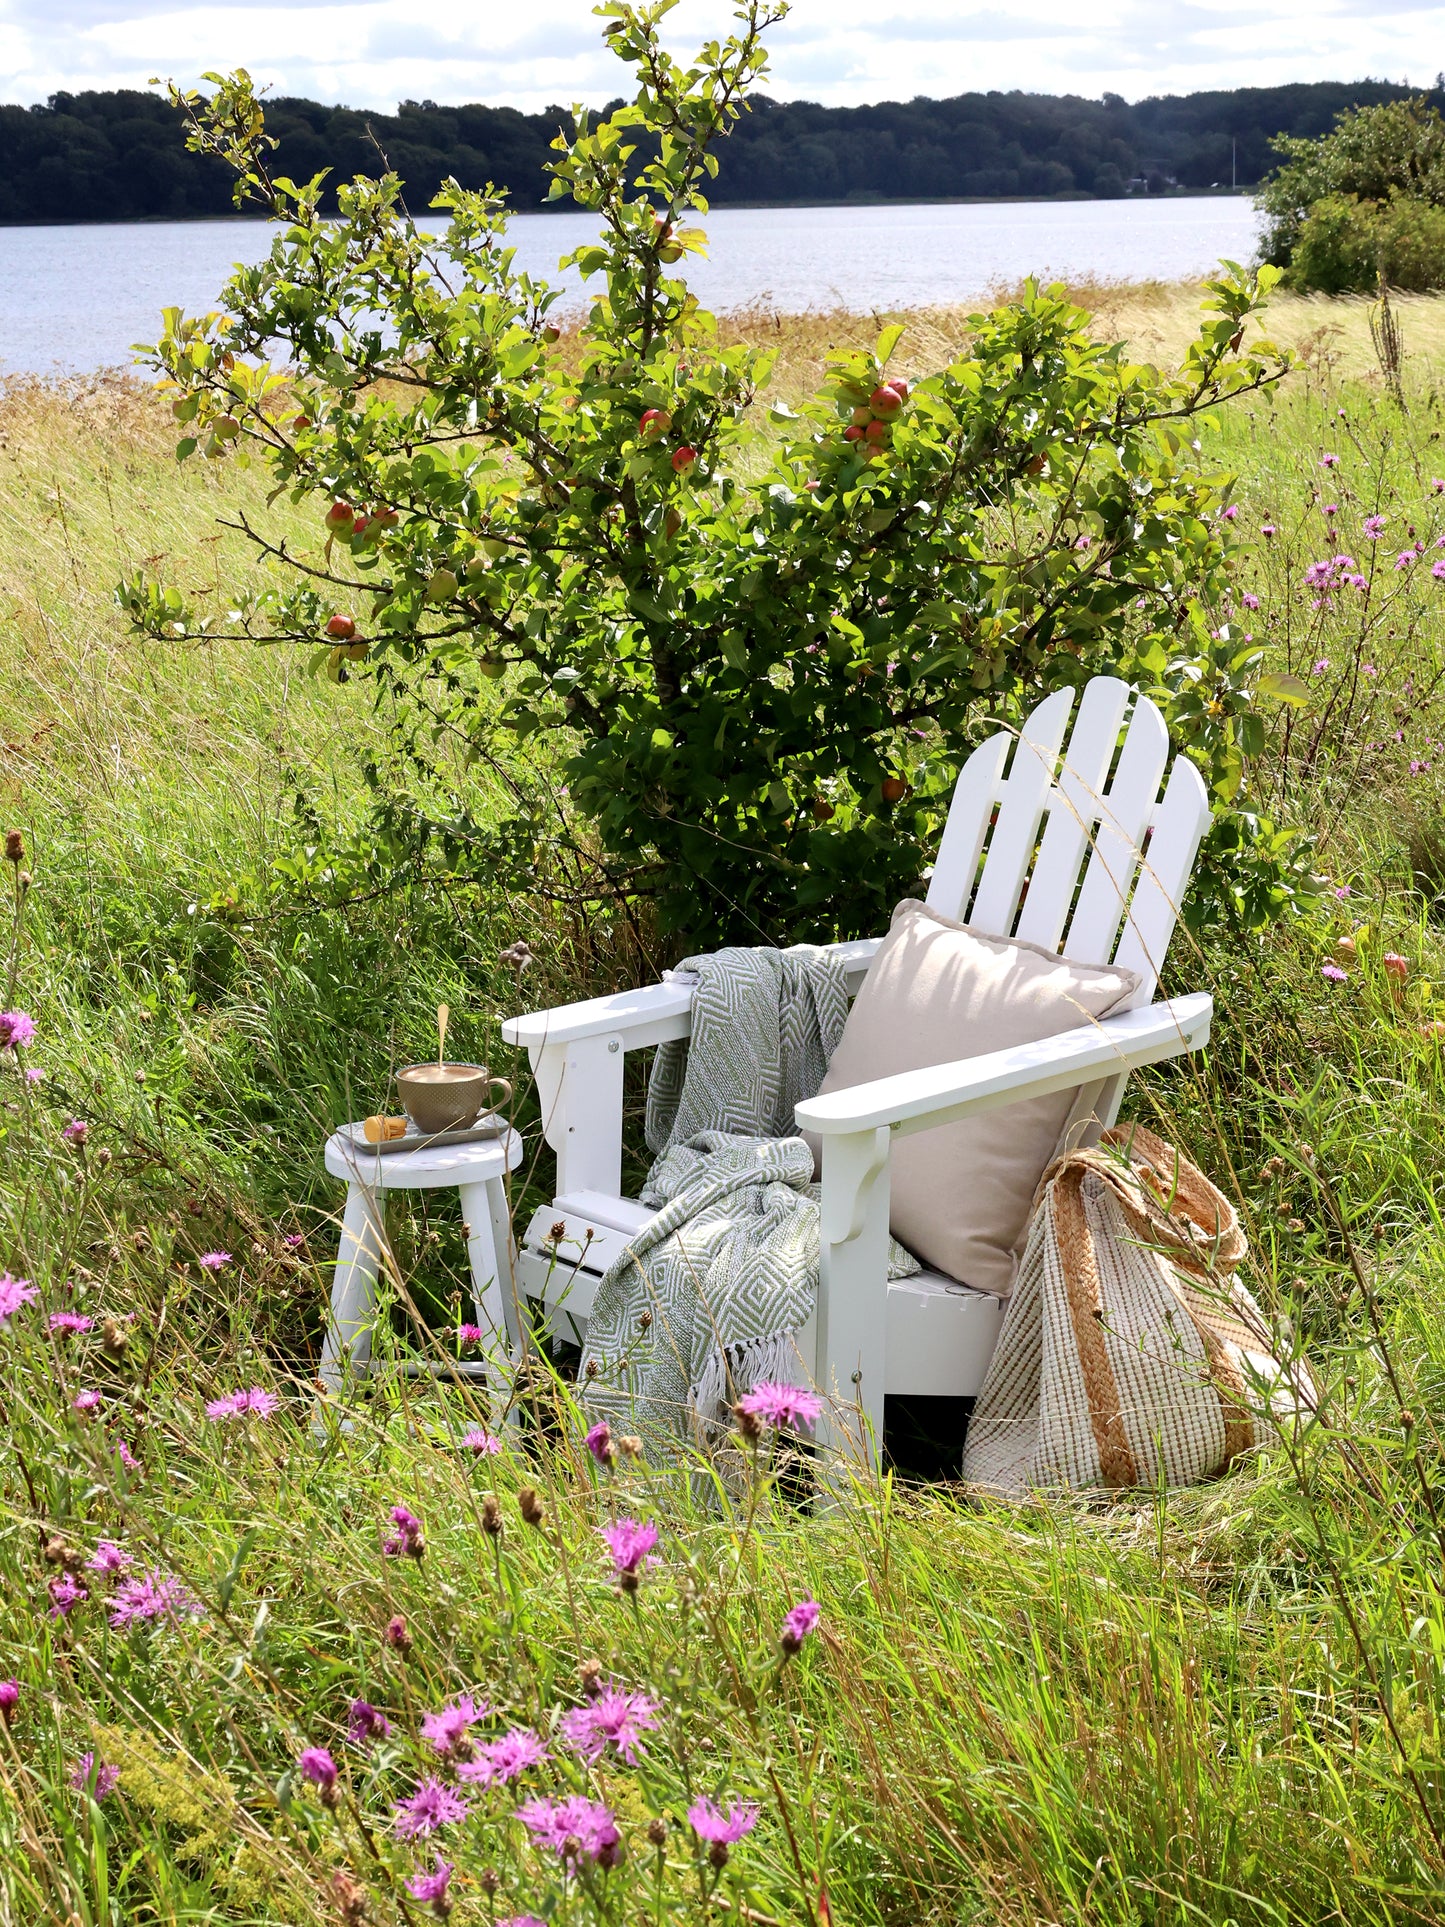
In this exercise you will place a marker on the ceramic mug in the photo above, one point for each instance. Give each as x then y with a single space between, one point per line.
447 1097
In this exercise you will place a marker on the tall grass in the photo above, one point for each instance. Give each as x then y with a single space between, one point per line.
1222 1705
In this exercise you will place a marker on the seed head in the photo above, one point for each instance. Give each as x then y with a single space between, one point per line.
530 1506
630 1446
114 1339
590 1674
558 1231
489 1880
349 1898
396 1635
657 1832
491 1515
14 847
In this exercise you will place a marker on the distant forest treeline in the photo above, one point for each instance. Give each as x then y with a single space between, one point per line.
121 156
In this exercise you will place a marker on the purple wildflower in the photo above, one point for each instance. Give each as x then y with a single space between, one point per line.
474 1439
470 1335
396 1635
33 1075
69 1321
294 1240
503 1760
720 1829
407 1542
522 1920
1405 559
1331 508
17 1028
615 1718
14 1292
780 1405
318 1767
237 1404
797 1624
93 1777
1250 601
448 1730
1343 891
1373 526
1332 973
127 1458
1268 530
433 1805
599 1443
86 1402
214 1260
1329 461
108 1557
1437 569
431 1886
9 1699
572 1826
1319 575
1321 666
1231 514
367 1723
1084 542
159 1595
630 1544
66 1593
76 1131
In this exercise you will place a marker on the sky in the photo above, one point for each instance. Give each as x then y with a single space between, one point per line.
372 53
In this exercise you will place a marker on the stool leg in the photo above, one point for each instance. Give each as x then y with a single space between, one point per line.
353 1289
489 1247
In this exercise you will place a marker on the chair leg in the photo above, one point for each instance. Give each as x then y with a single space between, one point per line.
853 1295
353 1289
489 1249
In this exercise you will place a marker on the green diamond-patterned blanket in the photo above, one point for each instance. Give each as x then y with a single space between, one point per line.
711 1294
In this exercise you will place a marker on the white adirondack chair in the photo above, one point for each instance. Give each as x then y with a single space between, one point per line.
1077 851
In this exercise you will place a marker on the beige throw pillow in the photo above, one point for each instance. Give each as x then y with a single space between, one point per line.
937 991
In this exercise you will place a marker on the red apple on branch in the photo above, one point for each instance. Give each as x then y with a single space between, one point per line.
341 628
885 402
655 422
683 459
877 433
339 517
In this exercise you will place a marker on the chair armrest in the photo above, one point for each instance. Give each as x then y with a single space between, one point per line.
653 1015
918 1100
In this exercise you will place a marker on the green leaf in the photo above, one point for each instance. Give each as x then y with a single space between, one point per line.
888 341
1285 689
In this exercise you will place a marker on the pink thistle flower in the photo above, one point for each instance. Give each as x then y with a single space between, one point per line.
159 1595
615 1718
631 1547
599 1443
449 1729
66 1593
1405 559
367 1723
1249 601
573 1827
470 1335
69 1321
1321 666
127 1458
86 1402
408 1541
522 1920
237 1404
294 1240
1437 569
17 1029
9 1699
1331 508
214 1260
1437 484
1084 542
76 1131
1332 973
1268 530
474 1439
500 1761
225 1407
396 1635
14 1292
1231 514
1319 574
109 1557
433 1805
1373 526
318 1767
780 1405
1329 461
720 1829
432 1886
34 1075
1343 892
797 1624
91 1776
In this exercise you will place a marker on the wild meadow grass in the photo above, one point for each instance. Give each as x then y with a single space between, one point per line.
1217 1706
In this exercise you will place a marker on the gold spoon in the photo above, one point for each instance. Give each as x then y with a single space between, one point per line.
443 1018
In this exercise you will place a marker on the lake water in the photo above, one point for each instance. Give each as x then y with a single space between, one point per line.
73 299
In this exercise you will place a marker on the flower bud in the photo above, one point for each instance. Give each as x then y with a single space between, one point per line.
530 1506
491 1515
396 1635
14 847
657 1832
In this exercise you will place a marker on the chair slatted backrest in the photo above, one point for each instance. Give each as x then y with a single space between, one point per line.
1075 848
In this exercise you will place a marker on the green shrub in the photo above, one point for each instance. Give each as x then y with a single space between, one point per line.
754 653
1345 245
1370 154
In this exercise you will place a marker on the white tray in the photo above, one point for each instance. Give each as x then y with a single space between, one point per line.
483 1131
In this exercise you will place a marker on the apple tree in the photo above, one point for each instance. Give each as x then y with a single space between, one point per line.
725 658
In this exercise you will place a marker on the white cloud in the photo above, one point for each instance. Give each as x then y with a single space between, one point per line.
374 52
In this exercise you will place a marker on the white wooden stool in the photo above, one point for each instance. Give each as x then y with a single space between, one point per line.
478 1172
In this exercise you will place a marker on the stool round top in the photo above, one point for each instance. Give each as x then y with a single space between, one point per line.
431 1169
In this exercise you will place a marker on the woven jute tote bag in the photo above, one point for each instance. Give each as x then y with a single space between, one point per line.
1130 1353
